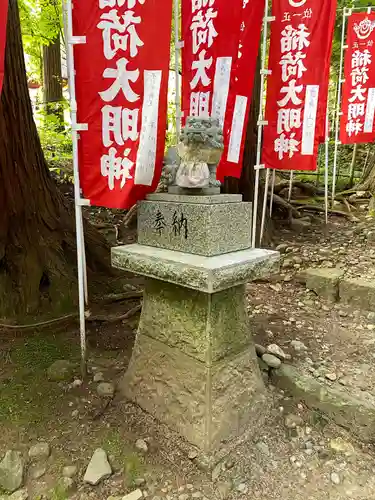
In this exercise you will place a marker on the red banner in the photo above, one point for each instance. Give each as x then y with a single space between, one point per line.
324 90
210 31
296 100
241 90
358 98
3 35
121 88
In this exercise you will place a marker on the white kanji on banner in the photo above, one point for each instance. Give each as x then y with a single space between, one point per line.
122 77
130 4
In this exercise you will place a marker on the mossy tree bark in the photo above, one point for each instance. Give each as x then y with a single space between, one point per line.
37 228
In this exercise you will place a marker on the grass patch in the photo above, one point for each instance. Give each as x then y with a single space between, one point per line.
26 395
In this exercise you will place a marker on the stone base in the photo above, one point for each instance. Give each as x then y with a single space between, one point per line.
194 365
206 274
180 223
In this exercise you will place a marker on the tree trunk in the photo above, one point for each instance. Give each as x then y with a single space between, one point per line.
37 240
52 80
246 184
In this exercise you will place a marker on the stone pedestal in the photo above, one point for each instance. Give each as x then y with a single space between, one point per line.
194 365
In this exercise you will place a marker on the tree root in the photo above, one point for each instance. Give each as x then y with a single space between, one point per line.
121 296
113 319
292 212
310 189
316 208
89 318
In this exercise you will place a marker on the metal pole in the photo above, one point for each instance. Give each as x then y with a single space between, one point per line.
77 189
326 165
84 266
178 45
338 104
263 73
264 205
272 190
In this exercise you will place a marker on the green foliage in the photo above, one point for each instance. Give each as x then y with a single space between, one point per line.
41 22
56 143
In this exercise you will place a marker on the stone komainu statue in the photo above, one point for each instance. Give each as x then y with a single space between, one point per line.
200 149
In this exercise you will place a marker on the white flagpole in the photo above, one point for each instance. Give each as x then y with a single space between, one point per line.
272 190
178 45
77 190
265 197
326 163
261 123
346 12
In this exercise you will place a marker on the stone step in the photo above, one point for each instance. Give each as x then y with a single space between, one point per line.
331 284
353 412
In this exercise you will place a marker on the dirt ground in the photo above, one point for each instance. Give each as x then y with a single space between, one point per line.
284 462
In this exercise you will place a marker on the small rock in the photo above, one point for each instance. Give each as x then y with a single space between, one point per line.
61 370
331 376
65 486
371 316
339 445
40 451
276 350
141 445
300 226
276 288
11 471
292 421
139 481
298 346
105 389
308 445
98 468
335 478
287 263
192 454
197 494
37 471
263 447
98 377
19 495
260 350
70 471
282 247
271 360
134 495
242 488
76 383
